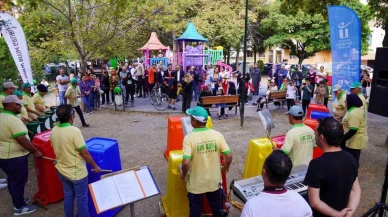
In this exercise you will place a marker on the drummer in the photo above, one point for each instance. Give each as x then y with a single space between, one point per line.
23 111
8 89
28 102
339 105
40 104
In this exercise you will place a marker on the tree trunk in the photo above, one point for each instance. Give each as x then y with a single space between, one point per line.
254 56
83 64
237 56
228 59
385 40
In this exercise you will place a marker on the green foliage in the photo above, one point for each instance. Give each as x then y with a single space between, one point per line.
380 7
303 27
8 69
260 64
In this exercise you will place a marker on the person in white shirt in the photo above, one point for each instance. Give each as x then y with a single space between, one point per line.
140 79
63 84
275 200
291 94
321 74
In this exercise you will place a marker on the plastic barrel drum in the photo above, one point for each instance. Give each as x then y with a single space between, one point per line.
105 152
50 114
44 122
33 128
54 109
318 114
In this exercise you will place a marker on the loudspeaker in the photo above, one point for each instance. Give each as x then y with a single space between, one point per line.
378 102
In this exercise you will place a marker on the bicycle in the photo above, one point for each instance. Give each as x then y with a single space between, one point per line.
158 99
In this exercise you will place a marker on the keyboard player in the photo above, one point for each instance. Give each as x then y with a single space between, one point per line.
333 187
275 200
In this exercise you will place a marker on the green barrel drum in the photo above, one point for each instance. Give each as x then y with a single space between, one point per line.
50 114
44 122
33 128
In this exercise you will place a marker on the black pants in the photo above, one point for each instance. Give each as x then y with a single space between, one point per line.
17 175
140 86
290 103
105 96
113 96
80 114
305 105
130 91
354 152
215 202
186 102
298 92
312 92
325 101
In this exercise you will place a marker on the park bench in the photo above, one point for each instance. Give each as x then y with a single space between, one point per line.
279 95
231 100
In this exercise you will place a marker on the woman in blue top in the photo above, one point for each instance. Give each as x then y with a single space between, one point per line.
215 80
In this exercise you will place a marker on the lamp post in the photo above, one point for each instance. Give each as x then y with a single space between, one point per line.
243 91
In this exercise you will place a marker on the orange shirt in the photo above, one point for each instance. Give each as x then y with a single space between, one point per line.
151 76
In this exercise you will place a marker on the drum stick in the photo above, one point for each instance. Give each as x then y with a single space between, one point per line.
48 158
105 171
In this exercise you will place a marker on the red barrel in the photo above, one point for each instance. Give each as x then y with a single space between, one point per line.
174 135
50 189
313 124
279 140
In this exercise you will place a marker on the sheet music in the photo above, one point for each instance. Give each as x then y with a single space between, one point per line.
128 187
147 182
105 194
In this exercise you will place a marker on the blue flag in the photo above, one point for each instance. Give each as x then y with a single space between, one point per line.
345 41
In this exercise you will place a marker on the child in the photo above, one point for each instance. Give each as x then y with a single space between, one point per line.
251 90
307 90
291 95
129 84
326 100
320 93
260 102
205 91
225 84
221 107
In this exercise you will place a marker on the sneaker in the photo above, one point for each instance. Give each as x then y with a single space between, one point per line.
24 210
126 103
169 107
88 113
85 125
4 185
27 200
219 117
173 108
3 181
226 116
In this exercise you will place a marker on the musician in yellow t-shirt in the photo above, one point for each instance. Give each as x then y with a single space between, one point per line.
40 104
201 165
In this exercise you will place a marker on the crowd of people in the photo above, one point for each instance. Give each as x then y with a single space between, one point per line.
341 138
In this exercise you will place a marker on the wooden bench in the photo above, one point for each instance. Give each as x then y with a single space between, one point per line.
231 100
279 95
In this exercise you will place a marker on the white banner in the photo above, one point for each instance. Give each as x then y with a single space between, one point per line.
17 44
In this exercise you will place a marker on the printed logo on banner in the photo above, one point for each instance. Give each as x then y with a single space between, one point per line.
345 40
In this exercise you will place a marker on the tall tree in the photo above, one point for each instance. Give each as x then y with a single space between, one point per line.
381 13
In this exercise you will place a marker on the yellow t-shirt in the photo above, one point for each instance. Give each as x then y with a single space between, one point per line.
339 106
2 96
10 128
299 144
203 147
38 100
23 113
364 106
67 141
355 119
73 91
27 99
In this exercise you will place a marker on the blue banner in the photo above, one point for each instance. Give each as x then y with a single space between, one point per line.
345 40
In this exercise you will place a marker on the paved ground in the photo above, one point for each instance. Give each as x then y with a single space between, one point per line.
142 139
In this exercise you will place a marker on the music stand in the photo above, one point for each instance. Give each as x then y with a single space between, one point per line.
266 119
380 206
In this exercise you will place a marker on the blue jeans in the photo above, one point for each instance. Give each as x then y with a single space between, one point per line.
75 189
91 100
196 91
62 99
214 199
86 101
17 174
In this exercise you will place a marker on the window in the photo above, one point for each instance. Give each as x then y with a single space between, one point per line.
262 55
292 57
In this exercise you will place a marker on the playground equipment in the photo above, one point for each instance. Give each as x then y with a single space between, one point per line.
154 44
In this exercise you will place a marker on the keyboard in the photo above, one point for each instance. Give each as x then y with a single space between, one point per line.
248 188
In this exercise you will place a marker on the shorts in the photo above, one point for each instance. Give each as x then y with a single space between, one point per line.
172 93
